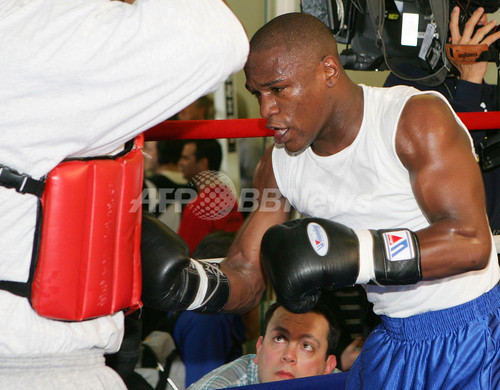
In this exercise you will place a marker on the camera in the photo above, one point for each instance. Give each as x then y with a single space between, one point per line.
368 48
379 42
468 7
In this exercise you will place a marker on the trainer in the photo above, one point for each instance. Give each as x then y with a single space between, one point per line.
78 80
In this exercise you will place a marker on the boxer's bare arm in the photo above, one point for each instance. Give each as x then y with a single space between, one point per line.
243 266
447 183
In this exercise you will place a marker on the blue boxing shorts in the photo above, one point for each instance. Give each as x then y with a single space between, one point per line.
455 348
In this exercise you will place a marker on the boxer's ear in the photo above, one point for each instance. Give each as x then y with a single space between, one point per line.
331 70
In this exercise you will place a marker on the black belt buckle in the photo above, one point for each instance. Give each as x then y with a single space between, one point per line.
22 183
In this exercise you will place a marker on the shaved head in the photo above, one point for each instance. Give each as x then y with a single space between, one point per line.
295 72
300 34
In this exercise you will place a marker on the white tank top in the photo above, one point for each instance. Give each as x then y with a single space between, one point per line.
365 186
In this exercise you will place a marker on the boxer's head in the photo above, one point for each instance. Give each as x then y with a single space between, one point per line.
296 345
291 69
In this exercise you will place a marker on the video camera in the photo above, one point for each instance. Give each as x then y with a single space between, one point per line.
474 53
389 34
467 7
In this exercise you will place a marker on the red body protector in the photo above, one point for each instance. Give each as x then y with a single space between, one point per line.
86 252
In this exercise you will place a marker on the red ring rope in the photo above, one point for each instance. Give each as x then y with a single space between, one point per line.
243 128
203 129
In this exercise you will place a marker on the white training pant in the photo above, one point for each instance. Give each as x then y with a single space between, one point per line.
82 370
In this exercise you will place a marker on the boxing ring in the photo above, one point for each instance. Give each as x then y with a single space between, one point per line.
247 128
330 382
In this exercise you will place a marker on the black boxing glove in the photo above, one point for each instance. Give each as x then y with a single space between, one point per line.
171 280
304 255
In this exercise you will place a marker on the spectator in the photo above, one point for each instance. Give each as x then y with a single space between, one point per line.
291 346
215 207
166 183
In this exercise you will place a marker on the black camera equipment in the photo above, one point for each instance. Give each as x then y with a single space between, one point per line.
474 53
489 152
388 34
377 35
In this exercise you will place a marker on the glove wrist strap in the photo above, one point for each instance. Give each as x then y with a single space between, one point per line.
366 266
213 289
397 257
202 287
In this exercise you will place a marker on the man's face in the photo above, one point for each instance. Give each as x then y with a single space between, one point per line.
187 163
294 346
291 95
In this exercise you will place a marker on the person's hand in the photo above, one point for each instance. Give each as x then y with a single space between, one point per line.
351 353
474 72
